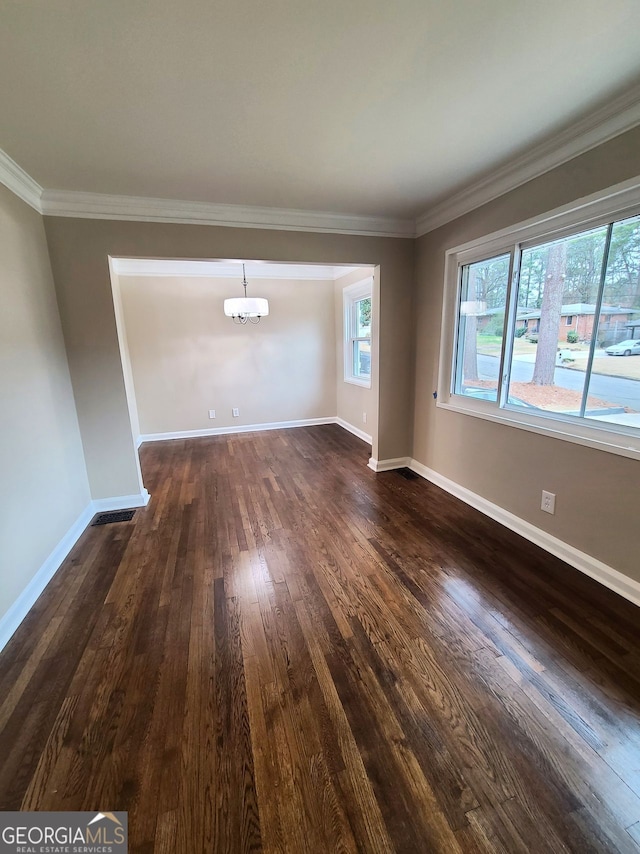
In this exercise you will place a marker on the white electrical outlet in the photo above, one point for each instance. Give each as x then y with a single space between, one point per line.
364 417
548 502
235 412
212 413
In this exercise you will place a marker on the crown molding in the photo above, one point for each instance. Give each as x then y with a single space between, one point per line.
19 182
102 206
619 115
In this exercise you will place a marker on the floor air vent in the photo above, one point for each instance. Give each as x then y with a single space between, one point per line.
115 516
408 474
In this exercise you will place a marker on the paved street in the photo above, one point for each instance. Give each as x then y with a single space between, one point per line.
612 389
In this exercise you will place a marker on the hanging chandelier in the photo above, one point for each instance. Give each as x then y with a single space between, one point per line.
246 309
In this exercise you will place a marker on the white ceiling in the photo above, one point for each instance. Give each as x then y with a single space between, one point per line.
365 107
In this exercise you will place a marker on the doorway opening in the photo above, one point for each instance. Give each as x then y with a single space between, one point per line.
189 370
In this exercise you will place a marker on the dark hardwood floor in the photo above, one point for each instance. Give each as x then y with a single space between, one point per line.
287 652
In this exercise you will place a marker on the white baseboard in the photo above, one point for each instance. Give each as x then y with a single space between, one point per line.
607 575
224 431
388 465
27 599
355 430
121 502
252 428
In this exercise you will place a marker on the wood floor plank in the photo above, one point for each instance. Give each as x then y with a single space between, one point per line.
285 652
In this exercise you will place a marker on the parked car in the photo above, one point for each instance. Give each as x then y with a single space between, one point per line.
629 347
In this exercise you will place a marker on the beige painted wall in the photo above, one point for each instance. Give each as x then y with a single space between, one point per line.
79 249
187 357
352 400
42 471
596 508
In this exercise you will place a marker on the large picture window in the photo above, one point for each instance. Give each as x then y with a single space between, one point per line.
357 327
546 328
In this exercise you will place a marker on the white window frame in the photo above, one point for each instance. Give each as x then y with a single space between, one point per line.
350 296
618 202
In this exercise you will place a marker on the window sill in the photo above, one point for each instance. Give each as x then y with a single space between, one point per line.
357 381
611 441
